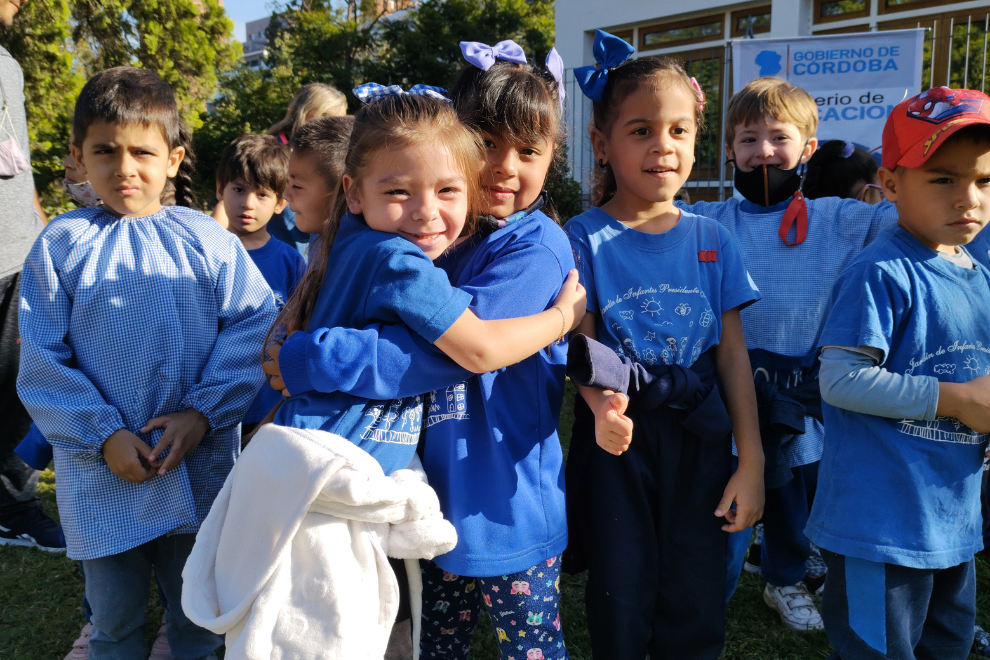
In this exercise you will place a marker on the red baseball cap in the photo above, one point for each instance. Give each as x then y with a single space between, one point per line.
919 125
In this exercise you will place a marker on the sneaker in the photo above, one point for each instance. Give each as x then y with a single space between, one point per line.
160 649
26 524
795 606
981 643
815 570
753 558
80 647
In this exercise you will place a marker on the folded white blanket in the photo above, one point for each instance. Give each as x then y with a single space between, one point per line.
291 560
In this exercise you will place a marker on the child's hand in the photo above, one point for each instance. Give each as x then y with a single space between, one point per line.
572 300
128 457
183 433
613 430
975 412
745 488
270 367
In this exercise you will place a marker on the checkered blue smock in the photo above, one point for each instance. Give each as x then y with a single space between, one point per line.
796 280
123 320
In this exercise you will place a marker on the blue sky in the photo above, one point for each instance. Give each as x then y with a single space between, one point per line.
242 11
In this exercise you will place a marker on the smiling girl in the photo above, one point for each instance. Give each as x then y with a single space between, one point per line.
410 184
664 290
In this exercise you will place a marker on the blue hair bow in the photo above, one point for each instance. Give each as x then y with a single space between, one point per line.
555 65
610 51
483 56
371 92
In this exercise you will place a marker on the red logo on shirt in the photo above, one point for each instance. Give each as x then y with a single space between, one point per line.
707 255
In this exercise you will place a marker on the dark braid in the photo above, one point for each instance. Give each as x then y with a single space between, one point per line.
184 195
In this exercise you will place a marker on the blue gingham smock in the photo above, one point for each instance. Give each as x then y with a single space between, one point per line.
796 280
123 320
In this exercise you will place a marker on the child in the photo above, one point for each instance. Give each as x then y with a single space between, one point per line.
140 327
794 249
317 163
499 428
907 398
665 288
408 185
842 169
251 180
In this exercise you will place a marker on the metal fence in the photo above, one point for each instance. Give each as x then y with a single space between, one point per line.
955 54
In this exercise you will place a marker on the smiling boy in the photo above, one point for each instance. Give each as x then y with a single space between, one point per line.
907 397
794 249
251 179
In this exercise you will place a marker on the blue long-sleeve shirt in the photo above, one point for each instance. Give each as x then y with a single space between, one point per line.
123 320
492 452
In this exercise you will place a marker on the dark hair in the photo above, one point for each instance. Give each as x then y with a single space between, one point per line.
260 160
126 95
391 122
623 81
831 174
515 102
325 141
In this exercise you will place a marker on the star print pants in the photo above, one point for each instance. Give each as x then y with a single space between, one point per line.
524 608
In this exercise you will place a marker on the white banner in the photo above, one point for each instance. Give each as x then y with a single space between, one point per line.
856 79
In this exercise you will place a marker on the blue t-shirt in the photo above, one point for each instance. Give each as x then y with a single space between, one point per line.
491 448
905 491
282 267
371 277
659 298
979 247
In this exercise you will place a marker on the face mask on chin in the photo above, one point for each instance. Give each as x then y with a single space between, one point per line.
767 184
82 193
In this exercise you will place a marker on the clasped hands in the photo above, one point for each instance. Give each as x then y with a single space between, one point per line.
130 458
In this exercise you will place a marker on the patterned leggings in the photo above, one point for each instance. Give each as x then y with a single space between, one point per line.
524 608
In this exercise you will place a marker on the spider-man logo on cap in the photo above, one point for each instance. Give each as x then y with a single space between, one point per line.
919 125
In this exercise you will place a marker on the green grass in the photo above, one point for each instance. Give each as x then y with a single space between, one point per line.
41 613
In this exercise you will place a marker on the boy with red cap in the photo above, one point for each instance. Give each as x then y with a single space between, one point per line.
906 353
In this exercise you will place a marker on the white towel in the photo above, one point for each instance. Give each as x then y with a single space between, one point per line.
291 561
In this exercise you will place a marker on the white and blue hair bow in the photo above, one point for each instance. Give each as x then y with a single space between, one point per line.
371 92
483 56
555 65
610 51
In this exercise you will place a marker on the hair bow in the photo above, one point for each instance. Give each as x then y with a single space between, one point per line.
483 56
699 93
847 149
555 65
371 92
610 51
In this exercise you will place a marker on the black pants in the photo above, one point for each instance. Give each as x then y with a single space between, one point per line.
875 611
18 481
655 550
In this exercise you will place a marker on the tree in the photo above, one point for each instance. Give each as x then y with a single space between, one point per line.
422 47
189 44
41 42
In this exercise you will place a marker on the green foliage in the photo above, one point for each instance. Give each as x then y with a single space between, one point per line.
422 47
40 41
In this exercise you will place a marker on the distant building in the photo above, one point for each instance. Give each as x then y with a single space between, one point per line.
255 43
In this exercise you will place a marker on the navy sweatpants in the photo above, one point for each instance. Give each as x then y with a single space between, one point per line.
656 553
785 515
875 611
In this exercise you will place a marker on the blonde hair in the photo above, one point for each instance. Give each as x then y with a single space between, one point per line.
392 122
773 98
311 101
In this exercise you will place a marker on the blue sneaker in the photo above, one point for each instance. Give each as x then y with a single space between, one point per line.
27 524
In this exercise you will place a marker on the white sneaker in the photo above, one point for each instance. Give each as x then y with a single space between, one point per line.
795 606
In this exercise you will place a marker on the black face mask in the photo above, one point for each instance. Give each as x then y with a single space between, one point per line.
767 185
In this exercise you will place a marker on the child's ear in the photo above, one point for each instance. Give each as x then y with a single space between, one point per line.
174 160
77 156
351 194
599 144
729 153
809 149
282 203
888 182
219 192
